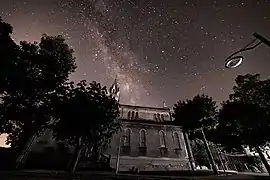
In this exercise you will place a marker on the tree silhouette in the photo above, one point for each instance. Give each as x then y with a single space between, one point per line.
9 52
86 116
191 115
244 124
195 115
251 89
30 75
245 120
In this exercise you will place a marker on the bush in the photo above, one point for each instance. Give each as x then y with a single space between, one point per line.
8 157
50 158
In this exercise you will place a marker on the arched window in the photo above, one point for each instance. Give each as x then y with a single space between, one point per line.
132 115
162 139
176 140
136 115
162 117
128 114
158 117
142 138
155 117
127 137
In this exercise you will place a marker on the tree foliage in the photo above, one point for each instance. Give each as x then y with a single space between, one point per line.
244 119
243 124
86 116
251 89
30 75
200 112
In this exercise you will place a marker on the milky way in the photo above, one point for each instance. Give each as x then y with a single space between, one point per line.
160 50
115 55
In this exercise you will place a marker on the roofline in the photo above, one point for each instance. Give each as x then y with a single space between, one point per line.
146 107
171 123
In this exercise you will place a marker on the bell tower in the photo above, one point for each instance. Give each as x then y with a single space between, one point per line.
115 90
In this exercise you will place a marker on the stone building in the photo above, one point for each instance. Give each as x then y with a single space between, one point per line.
147 140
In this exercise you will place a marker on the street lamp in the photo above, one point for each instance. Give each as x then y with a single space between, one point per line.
235 60
121 139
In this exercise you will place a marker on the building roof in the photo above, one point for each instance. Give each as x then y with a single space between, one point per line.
145 107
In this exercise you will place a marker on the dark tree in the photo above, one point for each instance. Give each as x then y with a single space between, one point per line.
191 115
30 75
244 124
246 116
86 117
8 51
196 115
251 89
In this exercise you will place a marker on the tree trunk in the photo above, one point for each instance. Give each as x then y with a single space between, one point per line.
76 157
265 163
25 152
220 158
197 146
190 156
215 170
95 154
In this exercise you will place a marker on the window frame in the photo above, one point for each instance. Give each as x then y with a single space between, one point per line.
140 138
162 139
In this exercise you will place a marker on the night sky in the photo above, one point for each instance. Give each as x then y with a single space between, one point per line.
161 50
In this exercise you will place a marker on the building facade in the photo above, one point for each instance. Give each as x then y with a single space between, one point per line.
147 140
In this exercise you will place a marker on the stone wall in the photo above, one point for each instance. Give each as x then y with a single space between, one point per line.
144 113
150 164
175 157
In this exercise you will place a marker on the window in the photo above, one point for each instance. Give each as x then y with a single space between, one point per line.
132 115
162 139
176 140
155 117
128 114
127 137
142 146
142 138
162 117
158 116
136 115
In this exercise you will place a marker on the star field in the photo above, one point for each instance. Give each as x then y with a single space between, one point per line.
160 50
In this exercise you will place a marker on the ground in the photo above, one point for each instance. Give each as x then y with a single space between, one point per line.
54 175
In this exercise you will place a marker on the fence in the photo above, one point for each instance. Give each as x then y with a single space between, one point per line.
224 161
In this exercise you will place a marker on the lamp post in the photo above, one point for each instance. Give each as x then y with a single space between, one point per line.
121 139
235 60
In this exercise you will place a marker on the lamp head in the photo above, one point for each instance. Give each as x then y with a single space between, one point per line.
234 62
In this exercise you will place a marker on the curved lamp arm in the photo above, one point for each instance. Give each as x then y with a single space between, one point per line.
235 60
246 48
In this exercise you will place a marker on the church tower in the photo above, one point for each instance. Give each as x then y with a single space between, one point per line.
115 90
